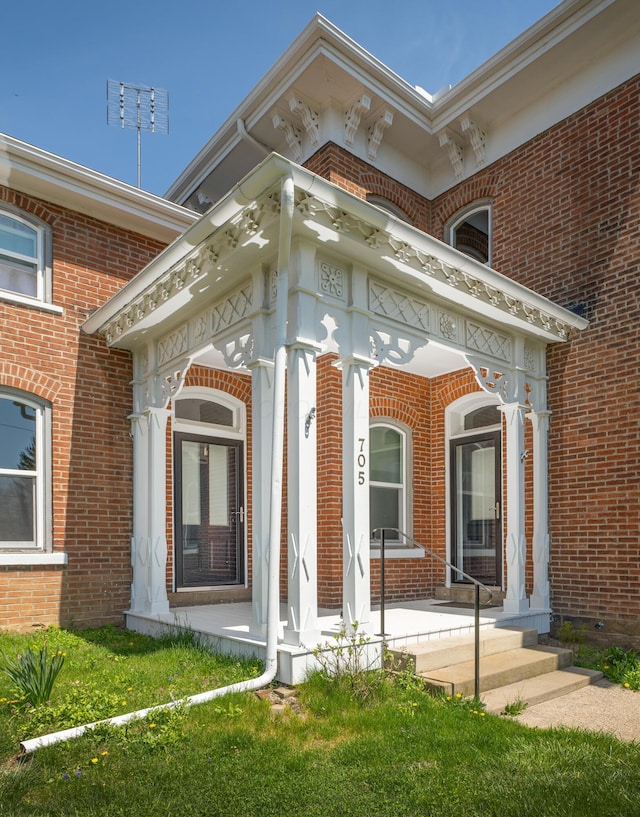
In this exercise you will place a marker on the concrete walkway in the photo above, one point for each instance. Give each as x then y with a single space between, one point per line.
602 707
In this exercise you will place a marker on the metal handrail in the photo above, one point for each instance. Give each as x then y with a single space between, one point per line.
476 596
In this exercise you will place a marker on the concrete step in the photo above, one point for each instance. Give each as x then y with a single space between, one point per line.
466 593
431 655
541 688
498 669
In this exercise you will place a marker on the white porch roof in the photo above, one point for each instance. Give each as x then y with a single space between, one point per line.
204 285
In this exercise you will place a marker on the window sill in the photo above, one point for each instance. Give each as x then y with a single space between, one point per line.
36 559
34 303
391 552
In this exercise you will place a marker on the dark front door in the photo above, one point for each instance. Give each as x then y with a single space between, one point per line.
209 513
476 507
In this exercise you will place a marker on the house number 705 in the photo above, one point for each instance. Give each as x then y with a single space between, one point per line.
362 461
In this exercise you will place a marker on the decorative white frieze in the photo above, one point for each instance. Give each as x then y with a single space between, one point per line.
352 118
310 119
455 150
331 280
291 134
486 341
476 136
196 266
375 238
229 311
376 131
221 316
384 300
447 326
174 345
530 358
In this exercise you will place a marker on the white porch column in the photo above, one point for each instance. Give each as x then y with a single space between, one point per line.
540 598
149 541
261 445
515 600
355 492
140 536
302 501
157 419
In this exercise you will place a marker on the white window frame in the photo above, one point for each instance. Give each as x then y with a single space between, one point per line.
464 215
237 430
42 259
455 414
42 540
401 487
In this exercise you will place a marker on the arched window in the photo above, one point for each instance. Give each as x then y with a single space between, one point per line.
25 256
389 206
470 232
25 484
387 480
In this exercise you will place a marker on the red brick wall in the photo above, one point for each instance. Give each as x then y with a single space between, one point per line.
566 222
49 356
352 174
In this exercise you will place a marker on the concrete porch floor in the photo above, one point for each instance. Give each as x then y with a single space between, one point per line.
227 628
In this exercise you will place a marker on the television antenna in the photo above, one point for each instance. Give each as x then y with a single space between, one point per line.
139 107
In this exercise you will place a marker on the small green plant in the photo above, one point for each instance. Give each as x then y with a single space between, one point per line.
350 662
570 636
622 667
514 708
33 674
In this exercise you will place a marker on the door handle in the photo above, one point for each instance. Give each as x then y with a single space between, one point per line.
496 510
240 514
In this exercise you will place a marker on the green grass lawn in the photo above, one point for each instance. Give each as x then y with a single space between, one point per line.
396 752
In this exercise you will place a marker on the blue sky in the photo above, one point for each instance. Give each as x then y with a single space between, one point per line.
208 54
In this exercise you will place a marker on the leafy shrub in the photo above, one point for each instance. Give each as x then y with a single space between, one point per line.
33 674
622 667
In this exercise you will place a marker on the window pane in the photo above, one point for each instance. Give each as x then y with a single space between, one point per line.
384 508
386 455
17 435
18 237
471 236
18 276
481 417
204 411
17 500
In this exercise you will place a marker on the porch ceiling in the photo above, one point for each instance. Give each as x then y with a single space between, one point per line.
205 275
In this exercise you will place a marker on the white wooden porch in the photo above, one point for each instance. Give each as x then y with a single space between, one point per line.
227 627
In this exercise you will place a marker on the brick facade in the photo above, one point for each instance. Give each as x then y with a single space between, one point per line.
48 356
565 222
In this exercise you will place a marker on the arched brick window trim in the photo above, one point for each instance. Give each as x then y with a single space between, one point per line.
232 383
394 193
32 207
14 376
393 409
457 385
465 195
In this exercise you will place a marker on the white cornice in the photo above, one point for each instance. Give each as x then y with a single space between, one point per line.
36 172
374 236
575 53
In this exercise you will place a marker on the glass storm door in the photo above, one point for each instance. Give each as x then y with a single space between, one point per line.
476 492
209 514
